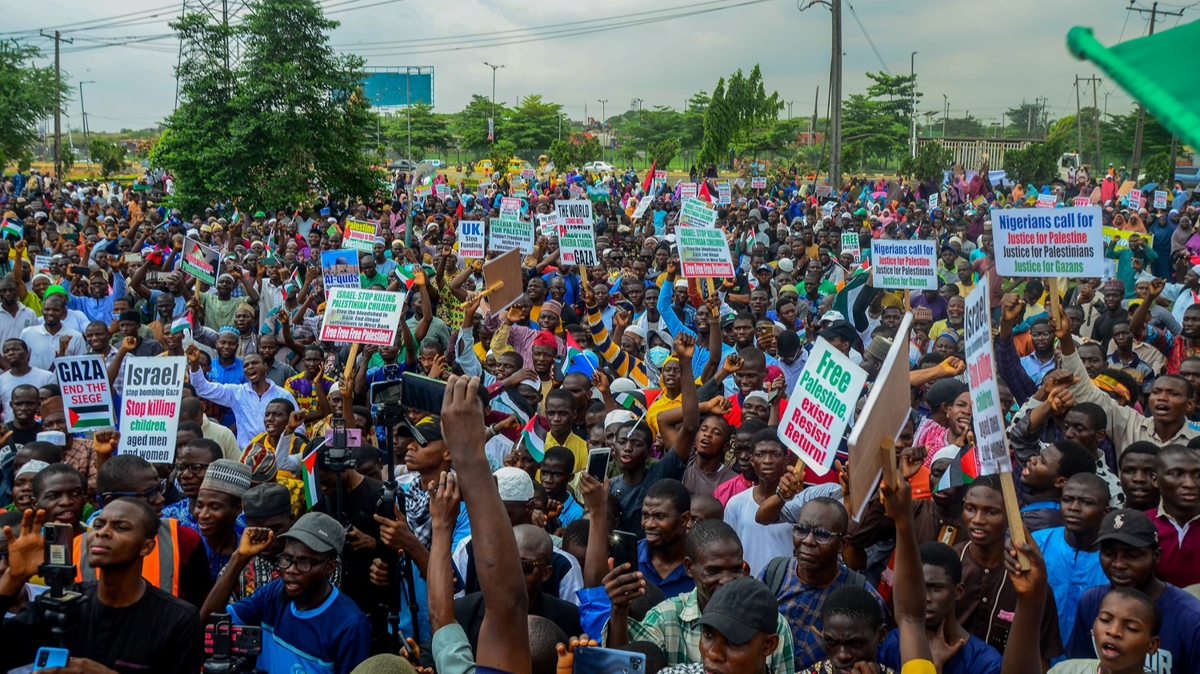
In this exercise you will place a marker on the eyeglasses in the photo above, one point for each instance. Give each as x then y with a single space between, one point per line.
302 564
157 490
528 566
822 536
193 468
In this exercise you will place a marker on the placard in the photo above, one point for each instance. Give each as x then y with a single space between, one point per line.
548 224
820 406
41 264
986 413
1047 201
724 193
660 175
200 261
643 204
1160 199
697 213
442 190
1065 242
850 244
504 271
687 191
86 396
739 183
510 208
422 191
1081 201
362 316
511 234
528 174
339 269
910 265
576 234
575 190
827 191
472 240
519 188
360 235
758 183
153 387
703 253
1135 198
933 201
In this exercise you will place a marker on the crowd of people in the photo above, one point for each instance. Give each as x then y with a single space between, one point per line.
604 465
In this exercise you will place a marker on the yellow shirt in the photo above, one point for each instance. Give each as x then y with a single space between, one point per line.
942 326
918 667
661 404
576 444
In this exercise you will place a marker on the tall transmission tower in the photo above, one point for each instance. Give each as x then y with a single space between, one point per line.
226 12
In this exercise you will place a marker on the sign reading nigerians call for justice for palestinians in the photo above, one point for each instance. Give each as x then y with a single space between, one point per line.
987 414
820 406
1049 242
150 407
362 316
86 396
905 265
576 239
200 261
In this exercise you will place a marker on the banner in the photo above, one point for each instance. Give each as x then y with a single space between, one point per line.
362 316
153 387
933 201
86 396
1160 199
986 412
339 269
643 204
510 234
687 191
850 245
422 191
696 213
703 252
1066 242
820 406
660 175
724 193
1081 201
472 241
908 265
360 235
758 183
200 261
576 234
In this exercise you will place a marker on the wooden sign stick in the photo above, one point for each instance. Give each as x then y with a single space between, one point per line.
495 286
887 450
1055 302
1012 509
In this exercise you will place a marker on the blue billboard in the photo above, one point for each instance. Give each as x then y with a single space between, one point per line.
393 87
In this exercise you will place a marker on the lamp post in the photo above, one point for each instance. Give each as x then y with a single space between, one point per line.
912 71
492 119
87 147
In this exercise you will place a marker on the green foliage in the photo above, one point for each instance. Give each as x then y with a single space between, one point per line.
1118 135
1036 164
588 150
965 127
931 160
663 151
574 151
67 158
533 125
108 155
628 153
470 125
24 161
1158 170
894 95
500 153
655 126
1025 121
692 122
31 93
429 131
875 130
736 110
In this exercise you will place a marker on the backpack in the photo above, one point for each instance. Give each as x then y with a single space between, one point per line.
777 569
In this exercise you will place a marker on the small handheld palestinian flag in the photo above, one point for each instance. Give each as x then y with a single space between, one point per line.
14 228
963 470
312 492
533 438
407 274
575 360
182 322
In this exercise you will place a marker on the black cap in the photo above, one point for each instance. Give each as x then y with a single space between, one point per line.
787 344
944 392
741 609
266 500
1129 526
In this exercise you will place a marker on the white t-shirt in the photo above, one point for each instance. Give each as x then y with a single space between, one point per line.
760 542
36 377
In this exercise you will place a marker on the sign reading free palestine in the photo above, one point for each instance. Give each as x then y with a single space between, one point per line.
362 316
821 405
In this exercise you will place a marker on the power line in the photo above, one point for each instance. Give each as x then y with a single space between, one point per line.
142 13
869 40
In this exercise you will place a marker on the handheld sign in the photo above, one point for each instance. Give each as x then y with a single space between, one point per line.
577 238
505 272
933 201
528 174
1046 201
515 234
739 183
827 191
758 183
704 253
687 191
200 261
548 224
150 407
362 316
472 242
820 406
724 193
850 245
510 208
1065 242
883 416
643 204
85 392
907 265
696 213
340 269
1081 201
1160 199
442 190
1135 198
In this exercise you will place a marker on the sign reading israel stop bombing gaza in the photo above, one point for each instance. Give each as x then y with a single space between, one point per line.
820 406
905 265
150 407
85 392
577 239
703 253
362 316
986 411
1038 242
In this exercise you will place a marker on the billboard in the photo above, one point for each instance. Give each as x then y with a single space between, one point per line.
399 86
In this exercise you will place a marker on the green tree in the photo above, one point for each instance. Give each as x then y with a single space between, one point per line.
588 150
692 121
429 130
1025 121
894 94
1158 170
532 125
31 93
930 162
108 155
875 131
67 158
471 123
628 153
500 153
654 126
965 127
737 108
1118 134
663 152
1037 164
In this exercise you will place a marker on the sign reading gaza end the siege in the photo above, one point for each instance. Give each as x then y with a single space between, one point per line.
987 412
150 407
86 396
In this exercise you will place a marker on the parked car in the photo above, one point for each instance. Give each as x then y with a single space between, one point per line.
516 165
598 167
435 164
484 166
402 165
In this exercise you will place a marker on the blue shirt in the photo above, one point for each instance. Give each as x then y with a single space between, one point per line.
675 584
332 638
1179 645
976 656
98 309
1070 572
232 374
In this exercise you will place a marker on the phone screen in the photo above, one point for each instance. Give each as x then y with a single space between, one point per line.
598 463
624 549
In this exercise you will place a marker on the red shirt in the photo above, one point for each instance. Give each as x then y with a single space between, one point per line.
1180 549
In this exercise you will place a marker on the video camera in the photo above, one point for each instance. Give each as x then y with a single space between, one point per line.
229 647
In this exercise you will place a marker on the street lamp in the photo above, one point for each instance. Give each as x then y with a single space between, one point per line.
492 120
87 147
912 71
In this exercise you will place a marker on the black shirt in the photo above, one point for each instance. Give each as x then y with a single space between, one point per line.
159 633
358 510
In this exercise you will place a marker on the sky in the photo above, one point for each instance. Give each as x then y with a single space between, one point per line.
984 56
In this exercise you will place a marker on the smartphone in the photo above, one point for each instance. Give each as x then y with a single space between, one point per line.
58 543
50 657
597 465
80 271
595 660
765 333
624 549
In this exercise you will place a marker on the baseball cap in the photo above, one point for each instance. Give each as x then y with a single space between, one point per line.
741 609
1129 526
831 316
318 531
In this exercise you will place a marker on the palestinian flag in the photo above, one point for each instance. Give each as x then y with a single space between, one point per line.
575 360
533 438
843 302
182 322
649 181
407 275
962 470
13 227
89 417
312 491
516 404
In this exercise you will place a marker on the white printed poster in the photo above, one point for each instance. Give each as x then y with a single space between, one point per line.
987 413
904 265
1067 242
820 406
153 387
472 240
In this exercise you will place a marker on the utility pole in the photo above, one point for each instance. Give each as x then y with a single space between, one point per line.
58 39
492 119
1078 121
1095 84
912 73
1154 11
816 99
87 143
835 94
946 114
603 124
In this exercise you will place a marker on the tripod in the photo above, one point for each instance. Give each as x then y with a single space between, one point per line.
400 566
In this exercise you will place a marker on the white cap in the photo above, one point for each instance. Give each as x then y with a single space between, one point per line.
53 437
514 484
623 385
618 417
637 331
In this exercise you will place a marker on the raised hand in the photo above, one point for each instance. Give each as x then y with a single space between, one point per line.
129 344
193 356
1013 308
601 381
103 442
295 420
952 367
733 363
685 345
462 416
444 503
623 585
27 552
254 541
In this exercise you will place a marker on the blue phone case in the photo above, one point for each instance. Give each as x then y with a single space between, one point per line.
593 660
50 657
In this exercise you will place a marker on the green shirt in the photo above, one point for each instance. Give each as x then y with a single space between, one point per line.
378 280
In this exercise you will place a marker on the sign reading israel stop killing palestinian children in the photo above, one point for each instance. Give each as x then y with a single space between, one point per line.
987 413
150 407
820 406
1039 242
362 316
703 253
904 265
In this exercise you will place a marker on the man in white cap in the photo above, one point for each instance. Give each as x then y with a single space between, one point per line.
216 509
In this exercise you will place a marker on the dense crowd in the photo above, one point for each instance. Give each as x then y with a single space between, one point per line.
600 463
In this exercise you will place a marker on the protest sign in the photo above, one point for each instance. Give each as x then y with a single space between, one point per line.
528 174
1046 201
850 245
696 213
703 252
575 190
820 406
827 209
827 191
150 406
442 190
724 193
360 235
758 183
41 264
660 175
1160 199
86 396
200 261
687 191
422 191
504 270
933 201
472 241
739 183
510 208
1066 242
643 204
1135 198
1121 236
339 269
986 411
908 265
362 316
548 224
577 238
519 188
505 234
1081 201
882 419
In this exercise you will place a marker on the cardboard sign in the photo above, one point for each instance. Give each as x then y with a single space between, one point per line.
1081 201
1047 201
758 183
1160 199
528 174
933 201
86 396
850 244
505 269
202 262
986 413
687 191
339 269
1135 198
510 208
704 253
153 387
827 191
820 406
360 235
442 190
697 213
472 239
643 204
362 316
882 419
577 238
908 265
1065 242
724 193
41 264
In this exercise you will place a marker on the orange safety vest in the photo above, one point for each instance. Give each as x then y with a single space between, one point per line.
160 568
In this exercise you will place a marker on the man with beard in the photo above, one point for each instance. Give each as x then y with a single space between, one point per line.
248 401
1041 361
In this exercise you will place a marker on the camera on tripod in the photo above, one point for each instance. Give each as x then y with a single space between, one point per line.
58 607
337 455
229 647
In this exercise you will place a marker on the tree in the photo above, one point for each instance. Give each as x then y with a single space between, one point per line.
500 153
872 128
965 127
930 162
1158 170
654 126
30 94
1035 165
663 152
628 153
1117 137
532 125
470 125
736 110
692 120
108 155
1025 121
429 130
67 158
894 94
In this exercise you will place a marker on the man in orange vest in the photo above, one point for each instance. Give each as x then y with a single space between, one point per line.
178 564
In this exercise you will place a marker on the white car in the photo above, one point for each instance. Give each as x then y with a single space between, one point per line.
598 167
